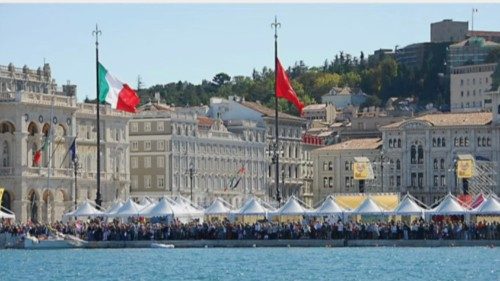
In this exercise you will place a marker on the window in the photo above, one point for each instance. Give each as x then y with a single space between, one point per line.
134 182
346 165
398 181
330 166
436 180
413 153
147 145
147 126
441 164
325 182
160 145
420 155
325 166
133 161
435 164
159 126
413 179
160 182
135 146
443 180
399 143
420 180
347 182
147 162
443 143
330 182
134 127
147 181
434 142
391 181
160 162
398 165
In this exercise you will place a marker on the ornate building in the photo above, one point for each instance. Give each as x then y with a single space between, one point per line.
181 153
294 160
34 112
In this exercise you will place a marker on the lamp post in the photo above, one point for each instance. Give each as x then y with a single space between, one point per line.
76 167
191 172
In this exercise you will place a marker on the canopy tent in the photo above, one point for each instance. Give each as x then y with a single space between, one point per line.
408 207
490 206
85 209
187 208
328 207
217 208
448 206
145 201
129 209
252 207
8 214
292 207
114 208
162 208
478 201
369 207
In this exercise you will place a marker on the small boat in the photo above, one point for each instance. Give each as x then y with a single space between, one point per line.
159 245
31 242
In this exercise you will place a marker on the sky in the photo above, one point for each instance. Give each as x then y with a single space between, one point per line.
191 42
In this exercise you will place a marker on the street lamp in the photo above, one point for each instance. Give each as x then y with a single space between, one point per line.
76 167
382 162
275 153
191 171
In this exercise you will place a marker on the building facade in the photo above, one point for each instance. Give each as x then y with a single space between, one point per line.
34 112
468 87
180 153
471 51
324 112
293 155
344 97
449 31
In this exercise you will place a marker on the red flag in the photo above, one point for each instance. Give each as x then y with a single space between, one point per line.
37 157
284 87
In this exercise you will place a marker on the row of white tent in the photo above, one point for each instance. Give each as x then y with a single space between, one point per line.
182 208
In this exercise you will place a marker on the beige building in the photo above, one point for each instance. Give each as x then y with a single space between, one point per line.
449 31
168 148
324 112
332 166
468 85
34 111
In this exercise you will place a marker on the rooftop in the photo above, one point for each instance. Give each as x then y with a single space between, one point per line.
450 119
266 111
368 143
314 107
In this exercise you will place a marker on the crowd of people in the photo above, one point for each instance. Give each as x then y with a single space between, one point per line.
98 230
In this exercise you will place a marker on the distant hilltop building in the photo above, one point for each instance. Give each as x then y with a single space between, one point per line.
471 51
344 97
323 112
469 85
449 31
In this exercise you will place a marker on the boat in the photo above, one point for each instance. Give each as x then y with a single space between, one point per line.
165 246
58 241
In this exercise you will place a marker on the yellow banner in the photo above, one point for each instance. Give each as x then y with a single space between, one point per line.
360 170
1 194
465 168
389 201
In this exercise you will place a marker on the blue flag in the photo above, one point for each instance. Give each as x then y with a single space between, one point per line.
72 148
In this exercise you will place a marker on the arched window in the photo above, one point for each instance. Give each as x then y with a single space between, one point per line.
390 143
398 165
434 142
483 141
442 164
461 142
488 142
443 143
399 143
466 141
347 166
330 166
413 153
435 164
6 200
439 142
478 141
420 155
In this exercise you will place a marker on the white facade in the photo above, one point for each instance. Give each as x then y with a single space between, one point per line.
468 86
30 104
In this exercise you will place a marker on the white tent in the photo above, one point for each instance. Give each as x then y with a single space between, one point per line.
129 209
217 208
448 206
408 207
85 209
114 208
7 214
490 206
369 207
145 201
187 208
252 207
328 207
162 208
292 207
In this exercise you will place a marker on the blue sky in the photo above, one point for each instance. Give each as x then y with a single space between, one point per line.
190 42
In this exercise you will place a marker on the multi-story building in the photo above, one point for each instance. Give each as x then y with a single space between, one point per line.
332 167
344 97
468 85
449 31
34 112
471 51
180 153
487 35
324 112
292 152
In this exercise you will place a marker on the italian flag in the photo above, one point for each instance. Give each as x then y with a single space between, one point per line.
118 94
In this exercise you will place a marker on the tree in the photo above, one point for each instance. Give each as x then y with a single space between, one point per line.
221 79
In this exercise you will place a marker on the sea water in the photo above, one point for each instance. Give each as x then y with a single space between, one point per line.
459 263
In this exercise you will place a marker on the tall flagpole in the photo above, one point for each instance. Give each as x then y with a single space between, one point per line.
276 24
98 199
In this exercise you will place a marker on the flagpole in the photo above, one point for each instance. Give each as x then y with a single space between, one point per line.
276 24
98 199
